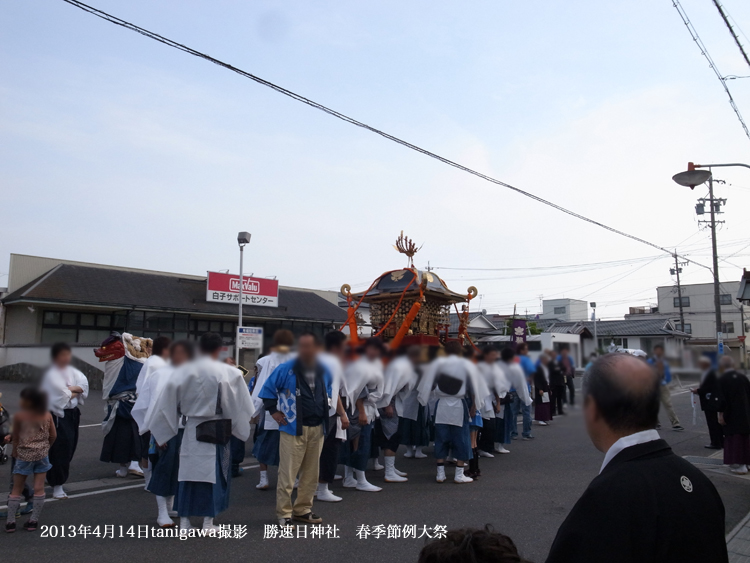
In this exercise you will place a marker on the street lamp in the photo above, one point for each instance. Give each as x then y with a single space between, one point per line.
693 177
243 238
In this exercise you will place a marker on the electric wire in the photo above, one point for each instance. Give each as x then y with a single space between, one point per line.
156 37
704 52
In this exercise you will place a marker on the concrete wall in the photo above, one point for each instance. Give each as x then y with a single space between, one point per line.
26 363
21 325
575 309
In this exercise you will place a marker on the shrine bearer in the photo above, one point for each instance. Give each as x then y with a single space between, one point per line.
459 388
338 422
66 389
364 387
298 397
215 399
492 411
266 440
400 378
164 458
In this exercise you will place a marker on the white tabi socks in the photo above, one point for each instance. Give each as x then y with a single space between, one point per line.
391 476
499 448
410 451
325 495
460 477
163 518
135 469
185 523
440 477
363 484
418 453
170 507
208 524
263 484
349 481
58 492
123 471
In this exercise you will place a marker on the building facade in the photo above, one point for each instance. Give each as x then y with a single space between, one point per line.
50 300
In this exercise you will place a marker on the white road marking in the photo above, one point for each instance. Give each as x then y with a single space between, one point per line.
90 425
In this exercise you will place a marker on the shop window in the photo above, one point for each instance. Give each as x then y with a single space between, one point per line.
181 322
88 319
51 317
52 335
92 336
69 319
104 321
215 326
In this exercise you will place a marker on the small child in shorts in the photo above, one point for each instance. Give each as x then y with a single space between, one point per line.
32 435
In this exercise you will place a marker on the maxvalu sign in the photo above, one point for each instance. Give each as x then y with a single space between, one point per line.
225 288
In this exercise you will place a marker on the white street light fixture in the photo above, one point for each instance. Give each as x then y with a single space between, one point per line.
243 238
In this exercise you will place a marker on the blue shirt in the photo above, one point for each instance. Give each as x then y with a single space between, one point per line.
282 386
667 372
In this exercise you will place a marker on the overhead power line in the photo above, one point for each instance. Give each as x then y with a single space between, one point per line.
723 15
704 52
156 37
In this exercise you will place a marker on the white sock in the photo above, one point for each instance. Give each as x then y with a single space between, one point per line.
185 523
57 491
322 487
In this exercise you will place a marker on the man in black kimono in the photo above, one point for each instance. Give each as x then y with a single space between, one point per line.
708 393
647 505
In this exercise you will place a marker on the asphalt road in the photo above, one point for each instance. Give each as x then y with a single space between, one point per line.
526 495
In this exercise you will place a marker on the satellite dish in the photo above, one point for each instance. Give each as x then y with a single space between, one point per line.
692 178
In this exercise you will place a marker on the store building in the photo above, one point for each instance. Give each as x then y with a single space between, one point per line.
50 300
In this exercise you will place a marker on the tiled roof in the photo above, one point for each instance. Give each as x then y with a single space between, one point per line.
68 284
455 323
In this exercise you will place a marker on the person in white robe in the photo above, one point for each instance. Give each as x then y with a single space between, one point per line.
66 389
459 389
399 379
266 439
364 388
216 402
338 421
518 388
157 360
164 460
492 412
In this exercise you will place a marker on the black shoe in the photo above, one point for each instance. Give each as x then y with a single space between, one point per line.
712 447
237 471
30 526
678 428
308 518
10 527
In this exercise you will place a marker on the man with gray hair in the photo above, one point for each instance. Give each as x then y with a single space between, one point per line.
647 504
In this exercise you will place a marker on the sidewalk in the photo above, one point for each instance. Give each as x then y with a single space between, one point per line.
738 542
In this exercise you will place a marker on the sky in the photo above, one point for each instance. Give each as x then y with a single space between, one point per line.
116 149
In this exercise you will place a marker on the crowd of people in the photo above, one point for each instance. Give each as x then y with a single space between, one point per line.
316 406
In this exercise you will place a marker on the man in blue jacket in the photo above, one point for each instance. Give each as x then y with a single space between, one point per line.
665 375
297 395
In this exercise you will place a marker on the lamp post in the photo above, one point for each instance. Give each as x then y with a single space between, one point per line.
243 238
692 177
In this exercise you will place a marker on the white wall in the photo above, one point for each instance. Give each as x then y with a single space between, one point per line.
21 325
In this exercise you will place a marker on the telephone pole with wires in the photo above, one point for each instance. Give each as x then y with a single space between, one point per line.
677 270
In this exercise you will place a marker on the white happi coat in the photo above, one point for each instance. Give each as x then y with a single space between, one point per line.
152 363
399 379
498 385
266 366
517 379
450 408
149 391
365 374
56 382
338 387
192 391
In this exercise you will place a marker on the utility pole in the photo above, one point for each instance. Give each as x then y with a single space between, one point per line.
676 271
714 207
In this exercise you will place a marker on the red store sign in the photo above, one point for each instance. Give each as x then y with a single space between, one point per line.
225 288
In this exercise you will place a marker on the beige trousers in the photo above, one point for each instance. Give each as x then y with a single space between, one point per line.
298 455
666 400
